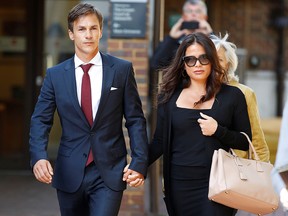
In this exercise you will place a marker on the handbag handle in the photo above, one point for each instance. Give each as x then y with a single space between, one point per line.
251 150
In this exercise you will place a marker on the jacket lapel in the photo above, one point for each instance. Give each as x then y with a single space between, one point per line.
70 82
108 76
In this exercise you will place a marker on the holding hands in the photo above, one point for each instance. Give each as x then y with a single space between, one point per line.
133 178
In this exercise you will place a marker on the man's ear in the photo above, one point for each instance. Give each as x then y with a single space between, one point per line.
71 34
101 33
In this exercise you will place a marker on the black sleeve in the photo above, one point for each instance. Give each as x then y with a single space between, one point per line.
164 53
156 146
232 136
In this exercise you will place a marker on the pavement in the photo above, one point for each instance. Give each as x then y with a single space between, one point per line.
22 195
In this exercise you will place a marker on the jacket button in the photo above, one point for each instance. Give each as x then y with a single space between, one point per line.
85 155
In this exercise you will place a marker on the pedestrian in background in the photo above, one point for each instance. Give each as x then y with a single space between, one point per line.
229 61
194 19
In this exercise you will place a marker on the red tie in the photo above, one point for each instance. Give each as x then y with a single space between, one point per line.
86 102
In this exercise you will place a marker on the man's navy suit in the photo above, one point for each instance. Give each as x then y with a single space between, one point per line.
119 97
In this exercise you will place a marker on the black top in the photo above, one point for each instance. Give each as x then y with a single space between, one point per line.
189 146
188 143
229 110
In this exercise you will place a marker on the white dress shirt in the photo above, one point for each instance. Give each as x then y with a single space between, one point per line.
96 74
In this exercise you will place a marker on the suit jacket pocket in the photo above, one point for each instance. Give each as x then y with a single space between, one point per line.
64 151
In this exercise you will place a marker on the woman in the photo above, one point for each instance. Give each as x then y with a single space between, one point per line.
197 114
229 61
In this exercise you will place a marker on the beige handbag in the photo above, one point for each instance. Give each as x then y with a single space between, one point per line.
241 183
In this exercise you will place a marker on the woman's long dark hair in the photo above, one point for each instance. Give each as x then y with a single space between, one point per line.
175 74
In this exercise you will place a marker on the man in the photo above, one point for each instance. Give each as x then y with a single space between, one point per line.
193 10
83 187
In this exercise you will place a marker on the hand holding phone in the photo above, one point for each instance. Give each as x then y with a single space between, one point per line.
190 25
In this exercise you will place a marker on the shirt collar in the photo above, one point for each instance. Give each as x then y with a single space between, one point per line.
97 60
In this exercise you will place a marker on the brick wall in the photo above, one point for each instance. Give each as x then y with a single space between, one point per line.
136 51
249 24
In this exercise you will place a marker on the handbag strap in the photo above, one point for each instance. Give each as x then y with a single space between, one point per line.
251 150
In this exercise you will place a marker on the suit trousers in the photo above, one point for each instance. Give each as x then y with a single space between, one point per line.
93 198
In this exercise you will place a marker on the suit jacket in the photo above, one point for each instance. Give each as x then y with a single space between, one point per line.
119 98
258 138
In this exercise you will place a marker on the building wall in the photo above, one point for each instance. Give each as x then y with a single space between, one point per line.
249 24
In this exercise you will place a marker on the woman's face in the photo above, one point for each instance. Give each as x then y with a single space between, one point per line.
202 68
222 59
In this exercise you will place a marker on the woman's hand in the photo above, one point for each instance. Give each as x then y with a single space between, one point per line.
207 124
133 178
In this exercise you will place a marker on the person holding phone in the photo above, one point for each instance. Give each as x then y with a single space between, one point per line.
194 19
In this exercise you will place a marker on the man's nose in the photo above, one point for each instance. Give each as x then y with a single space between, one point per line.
88 33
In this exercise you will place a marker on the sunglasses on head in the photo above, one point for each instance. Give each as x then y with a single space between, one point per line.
191 60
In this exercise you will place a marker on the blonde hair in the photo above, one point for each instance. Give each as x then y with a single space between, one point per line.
230 54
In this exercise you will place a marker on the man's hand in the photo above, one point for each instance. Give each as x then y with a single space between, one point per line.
43 171
176 31
207 124
204 27
133 178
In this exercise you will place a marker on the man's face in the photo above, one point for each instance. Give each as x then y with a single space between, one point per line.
86 36
193 12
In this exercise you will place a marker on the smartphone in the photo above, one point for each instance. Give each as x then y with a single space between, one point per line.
190 25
